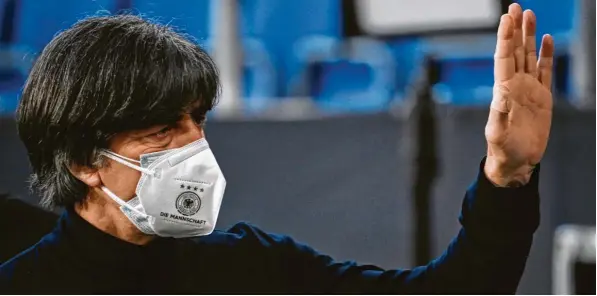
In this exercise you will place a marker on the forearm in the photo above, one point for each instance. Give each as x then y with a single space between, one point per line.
489 254
487 257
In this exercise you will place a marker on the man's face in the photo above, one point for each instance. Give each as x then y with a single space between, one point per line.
121 179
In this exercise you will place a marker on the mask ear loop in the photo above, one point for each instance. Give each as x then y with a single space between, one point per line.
121 159
120 201
119 156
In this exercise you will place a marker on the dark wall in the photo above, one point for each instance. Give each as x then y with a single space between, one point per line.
343 185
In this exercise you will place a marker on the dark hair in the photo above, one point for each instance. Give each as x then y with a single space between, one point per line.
102 76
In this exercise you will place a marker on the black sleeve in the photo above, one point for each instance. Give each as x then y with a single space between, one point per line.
487 256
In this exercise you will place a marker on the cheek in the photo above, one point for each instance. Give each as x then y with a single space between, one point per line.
121 179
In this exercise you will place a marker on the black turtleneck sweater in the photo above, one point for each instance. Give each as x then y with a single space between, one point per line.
487 256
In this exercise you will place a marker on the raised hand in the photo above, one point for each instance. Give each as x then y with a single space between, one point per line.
519 121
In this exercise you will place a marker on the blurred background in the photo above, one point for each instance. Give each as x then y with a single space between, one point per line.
356 126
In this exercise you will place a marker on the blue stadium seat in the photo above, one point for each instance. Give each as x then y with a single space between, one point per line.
465 81
553 16
39 21
8 102
281 24
560 19
409 55
361 81
259 76
338 85
27 26
309 51
13 67
189 16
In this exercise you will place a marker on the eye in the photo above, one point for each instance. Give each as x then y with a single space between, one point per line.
161 134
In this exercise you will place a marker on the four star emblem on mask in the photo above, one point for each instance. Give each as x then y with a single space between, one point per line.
182 186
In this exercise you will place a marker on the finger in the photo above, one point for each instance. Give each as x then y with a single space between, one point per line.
504 64
545 63
515 11
530 43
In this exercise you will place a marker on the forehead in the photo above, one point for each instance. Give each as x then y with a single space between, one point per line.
160 115
194 111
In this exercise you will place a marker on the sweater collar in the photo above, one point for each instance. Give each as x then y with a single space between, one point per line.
88 244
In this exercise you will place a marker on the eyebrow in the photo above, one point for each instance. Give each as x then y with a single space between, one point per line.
141 132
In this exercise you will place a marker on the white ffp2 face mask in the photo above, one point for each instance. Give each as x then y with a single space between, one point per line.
179 193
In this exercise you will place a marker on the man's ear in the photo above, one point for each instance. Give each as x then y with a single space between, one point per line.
87 175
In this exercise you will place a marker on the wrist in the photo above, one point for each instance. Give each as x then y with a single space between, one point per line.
503 175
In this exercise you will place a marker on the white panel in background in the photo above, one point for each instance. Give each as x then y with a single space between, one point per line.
382 17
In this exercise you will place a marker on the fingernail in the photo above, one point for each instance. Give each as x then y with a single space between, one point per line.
513 6
530 16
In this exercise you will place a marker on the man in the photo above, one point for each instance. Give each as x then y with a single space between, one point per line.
33 224
112 118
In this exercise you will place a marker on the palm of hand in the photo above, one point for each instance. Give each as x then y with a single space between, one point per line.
523 138
519 121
